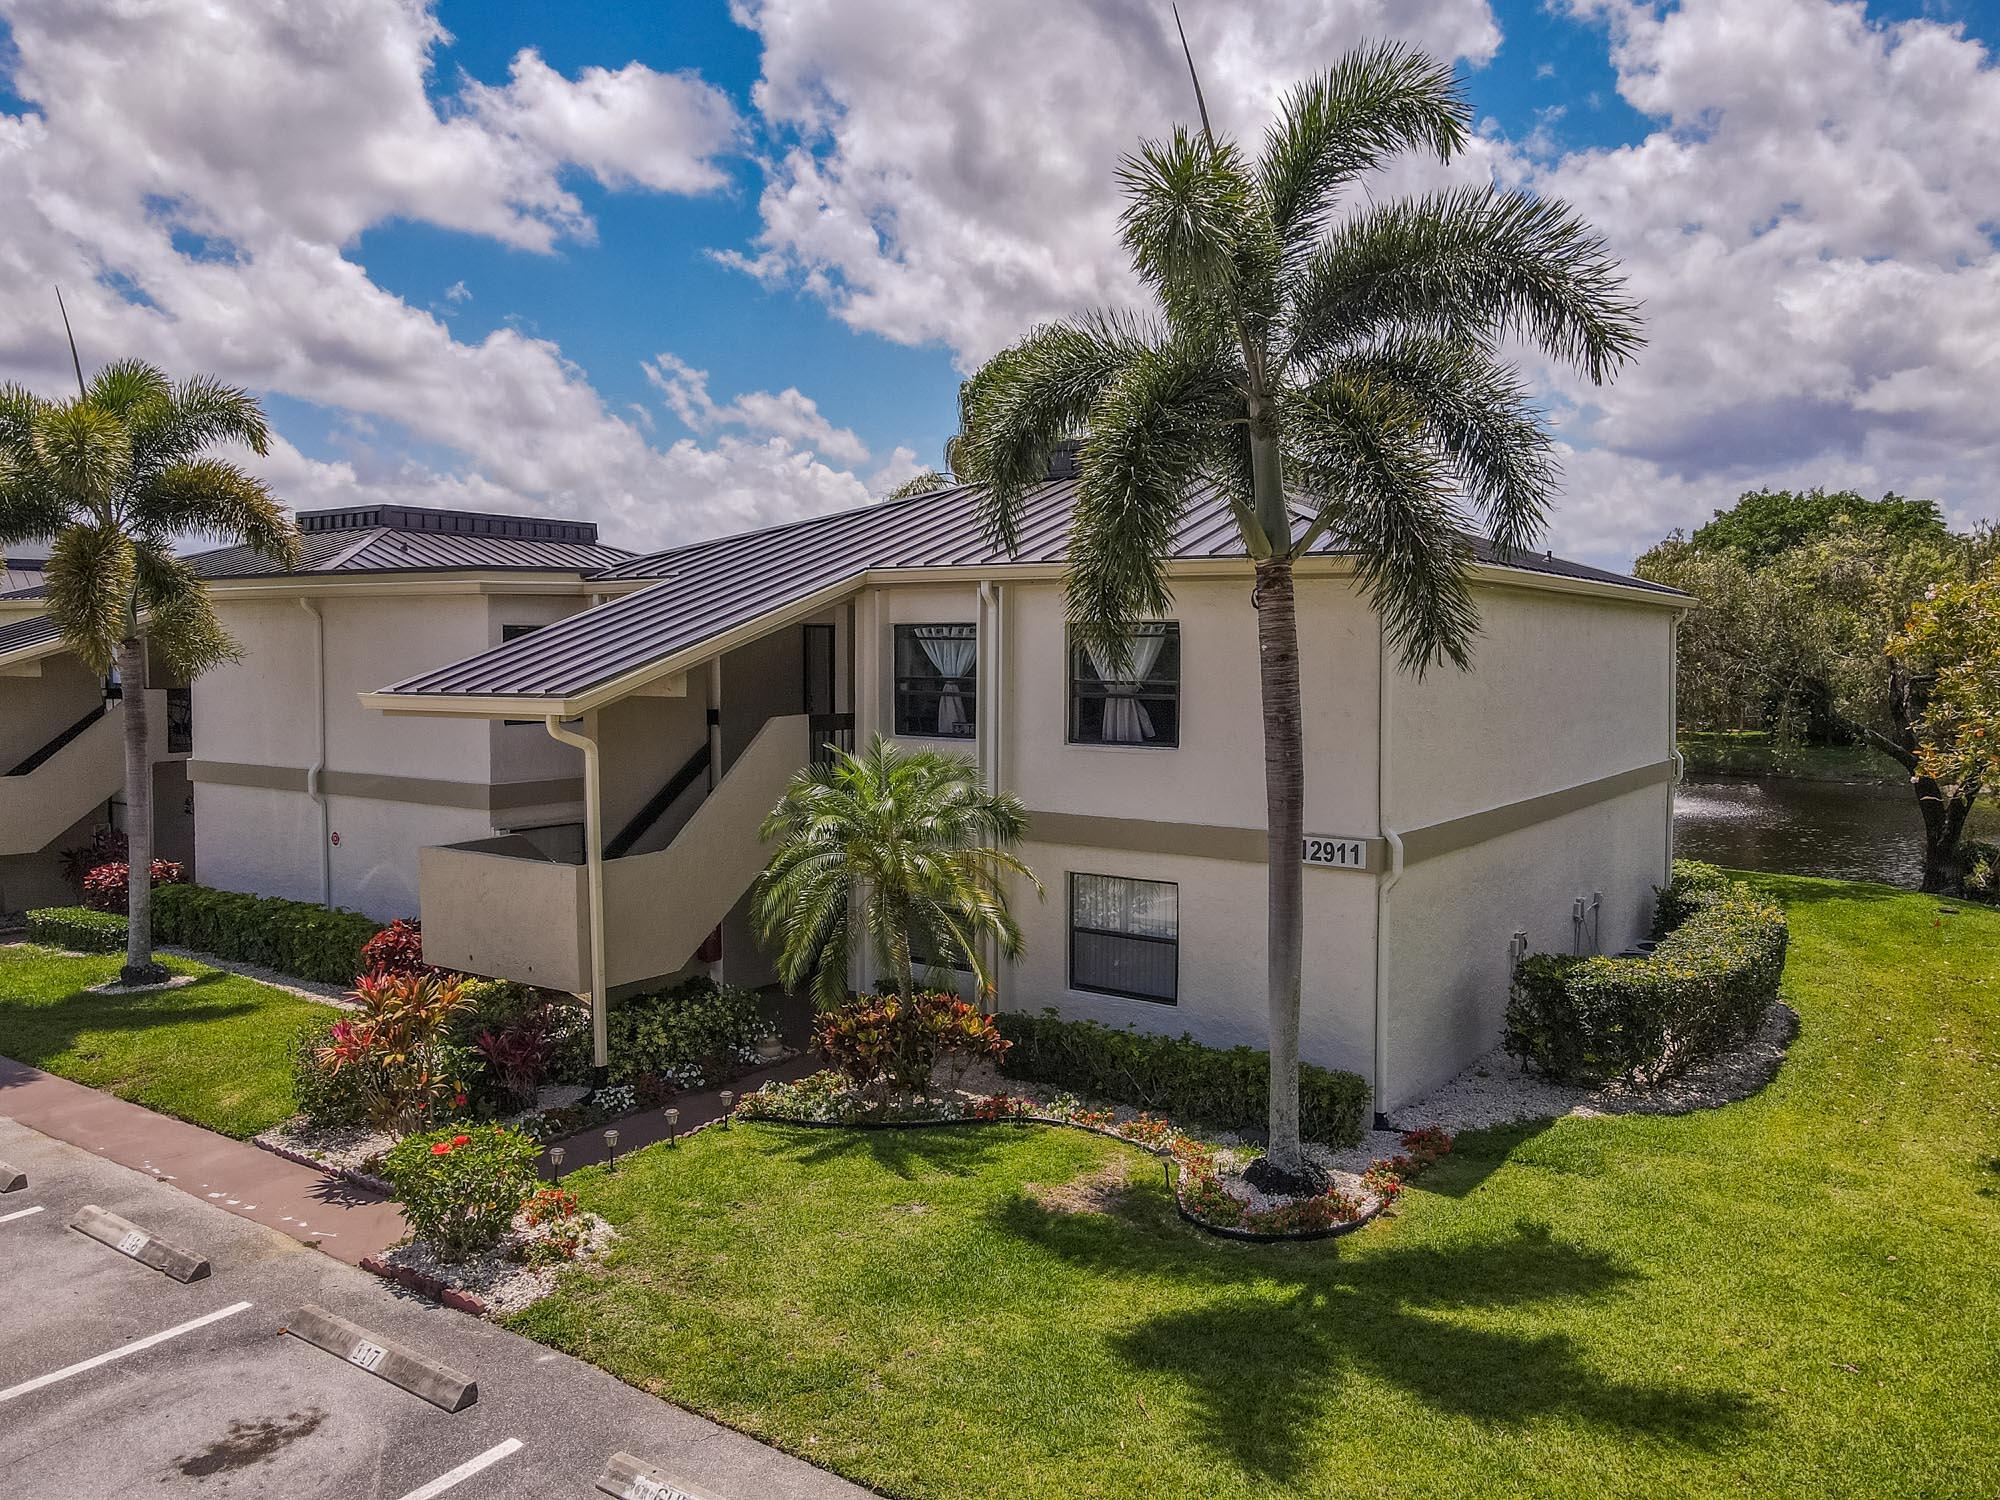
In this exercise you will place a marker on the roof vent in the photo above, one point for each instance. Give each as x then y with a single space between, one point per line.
1062 458
447 523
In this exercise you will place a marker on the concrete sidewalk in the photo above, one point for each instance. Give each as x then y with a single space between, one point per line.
315 1208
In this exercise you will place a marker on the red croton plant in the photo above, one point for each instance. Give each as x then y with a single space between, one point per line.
886 1046
397 1048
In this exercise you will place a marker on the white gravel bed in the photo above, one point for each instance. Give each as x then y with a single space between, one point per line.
503 1278
1498 1090
351 1148
310 989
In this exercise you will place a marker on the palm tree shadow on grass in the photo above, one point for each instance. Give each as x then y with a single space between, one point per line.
908 1152
42 1033
1265 1359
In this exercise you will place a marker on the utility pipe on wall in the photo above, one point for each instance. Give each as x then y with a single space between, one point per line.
593 860
1388 881
316 773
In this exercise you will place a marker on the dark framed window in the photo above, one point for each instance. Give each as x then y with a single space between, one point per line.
1136 702
937 680
1125 937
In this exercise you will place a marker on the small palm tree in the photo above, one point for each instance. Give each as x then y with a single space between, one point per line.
112 478
1323 371
911 844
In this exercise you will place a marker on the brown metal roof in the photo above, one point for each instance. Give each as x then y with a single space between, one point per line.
20 635
708 588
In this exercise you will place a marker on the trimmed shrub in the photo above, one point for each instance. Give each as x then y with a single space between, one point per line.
461 1188
1705 986
322 1095
697 1032
1215 1087
885 1046
1691 884
77 928
293 937
108 887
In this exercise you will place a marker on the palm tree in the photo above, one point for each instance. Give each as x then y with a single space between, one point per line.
908 841
112 478
1326 371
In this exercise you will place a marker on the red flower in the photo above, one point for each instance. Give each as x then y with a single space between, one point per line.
459 1102
461 1140
440 1148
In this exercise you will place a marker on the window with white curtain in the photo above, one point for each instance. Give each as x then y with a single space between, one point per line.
1124 937
937 680
1133 702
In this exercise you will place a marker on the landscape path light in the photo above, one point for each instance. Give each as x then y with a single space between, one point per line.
611 1147
728 1105
556 1161
673 1126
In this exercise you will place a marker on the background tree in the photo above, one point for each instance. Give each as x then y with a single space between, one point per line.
1763 523
111 479
1946 661
1323 369
1832 611
913 844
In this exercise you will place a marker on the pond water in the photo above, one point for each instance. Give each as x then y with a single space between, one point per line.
1845 830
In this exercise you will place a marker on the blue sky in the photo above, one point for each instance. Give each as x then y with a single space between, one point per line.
481 255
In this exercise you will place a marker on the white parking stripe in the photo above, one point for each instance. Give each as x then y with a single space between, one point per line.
20 1213
104 1359
465 1470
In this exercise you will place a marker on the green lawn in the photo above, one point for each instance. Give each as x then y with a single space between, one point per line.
1749 752
1795 1295
215 1052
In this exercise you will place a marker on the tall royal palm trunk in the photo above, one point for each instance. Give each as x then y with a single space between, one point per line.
139 965
1284 805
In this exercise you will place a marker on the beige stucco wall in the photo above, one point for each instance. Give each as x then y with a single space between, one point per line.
35 709
1563 689
1450 919
259 712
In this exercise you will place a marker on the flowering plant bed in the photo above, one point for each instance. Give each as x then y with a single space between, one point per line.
549 1232
1206 1185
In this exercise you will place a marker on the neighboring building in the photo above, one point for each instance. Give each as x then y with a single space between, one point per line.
1456 818
270 778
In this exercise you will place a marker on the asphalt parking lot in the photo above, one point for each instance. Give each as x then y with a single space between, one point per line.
117 1380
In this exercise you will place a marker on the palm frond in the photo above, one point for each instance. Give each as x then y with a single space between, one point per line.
179 622
1387 504
83 454
191 417
1027 400
1374 103
1481 415
126 386
1470 264
214 498
90 575
1148 435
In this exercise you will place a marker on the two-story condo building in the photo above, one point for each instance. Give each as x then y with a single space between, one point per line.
566 768
1455 820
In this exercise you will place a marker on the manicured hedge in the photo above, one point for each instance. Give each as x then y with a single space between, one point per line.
1223 1089
1707 984
77 928
293 937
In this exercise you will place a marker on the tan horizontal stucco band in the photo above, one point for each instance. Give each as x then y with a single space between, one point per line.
1454 834
1247 845
429 791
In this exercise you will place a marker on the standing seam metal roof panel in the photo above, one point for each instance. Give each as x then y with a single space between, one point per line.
707 588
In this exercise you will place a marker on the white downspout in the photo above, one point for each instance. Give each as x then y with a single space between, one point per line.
593 860
992 714
316 773
1673 735
1388 881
